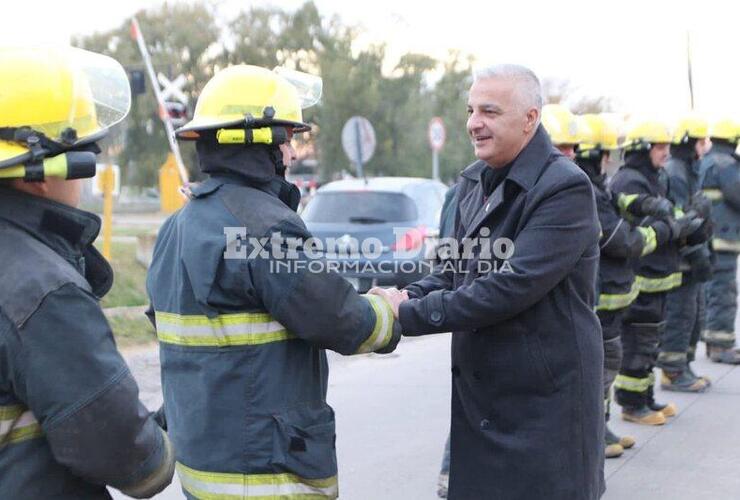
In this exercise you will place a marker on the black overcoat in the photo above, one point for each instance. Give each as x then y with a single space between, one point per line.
527 401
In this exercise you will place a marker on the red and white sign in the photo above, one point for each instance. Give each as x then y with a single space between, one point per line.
437 133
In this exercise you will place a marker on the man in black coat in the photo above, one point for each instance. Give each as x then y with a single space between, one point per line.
527 409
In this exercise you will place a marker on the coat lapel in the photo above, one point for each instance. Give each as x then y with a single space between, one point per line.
484 210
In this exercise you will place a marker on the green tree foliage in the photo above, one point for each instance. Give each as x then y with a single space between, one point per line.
176 48
450 103
187 39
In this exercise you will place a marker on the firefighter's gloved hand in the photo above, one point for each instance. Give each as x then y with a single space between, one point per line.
701 235
685 226
650 206
701 205
662 227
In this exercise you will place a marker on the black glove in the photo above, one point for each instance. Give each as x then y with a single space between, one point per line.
701 205
685 226
645 205
663 229
701 235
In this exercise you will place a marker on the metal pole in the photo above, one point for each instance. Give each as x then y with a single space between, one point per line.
358 141
108 181
435 165
174 147
688 59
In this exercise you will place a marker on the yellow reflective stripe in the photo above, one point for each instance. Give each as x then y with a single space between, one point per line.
383 330
227 486
713 194
624 201
655 285
721 245
10 412
631 384
222 331
678 212
17 424
650 238
613 302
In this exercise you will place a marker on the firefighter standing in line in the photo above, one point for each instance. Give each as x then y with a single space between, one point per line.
242 341
70 418
621 244
720 171
562 127
685 304
646 151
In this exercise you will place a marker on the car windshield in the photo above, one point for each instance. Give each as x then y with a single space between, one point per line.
360 207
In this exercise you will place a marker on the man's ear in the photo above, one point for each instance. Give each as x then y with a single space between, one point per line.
533 116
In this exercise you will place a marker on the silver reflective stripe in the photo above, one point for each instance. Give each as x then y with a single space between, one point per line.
721 245
672 357
218 485
713 194
718 336
223 330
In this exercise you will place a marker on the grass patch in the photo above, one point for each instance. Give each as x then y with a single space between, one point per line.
129 284
130 331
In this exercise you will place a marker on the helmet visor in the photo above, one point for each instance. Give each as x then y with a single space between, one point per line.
309 87
108 83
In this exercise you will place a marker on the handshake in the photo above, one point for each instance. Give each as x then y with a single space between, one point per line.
393 296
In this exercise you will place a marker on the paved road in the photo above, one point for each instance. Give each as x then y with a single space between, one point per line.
393 415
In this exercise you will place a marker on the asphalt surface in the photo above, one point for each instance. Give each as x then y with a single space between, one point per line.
393 417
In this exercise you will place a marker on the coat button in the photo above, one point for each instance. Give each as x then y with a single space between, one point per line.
476 375
436 316
456 371
484 424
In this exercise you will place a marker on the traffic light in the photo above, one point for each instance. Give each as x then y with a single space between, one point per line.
137 78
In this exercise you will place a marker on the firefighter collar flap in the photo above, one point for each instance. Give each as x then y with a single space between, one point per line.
206 188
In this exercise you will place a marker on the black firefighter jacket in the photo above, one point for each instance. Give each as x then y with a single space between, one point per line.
70 418
657 272
526 346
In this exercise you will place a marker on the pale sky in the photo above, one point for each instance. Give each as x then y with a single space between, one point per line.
632 51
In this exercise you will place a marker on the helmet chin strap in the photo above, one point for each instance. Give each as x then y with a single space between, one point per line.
276 155
288 192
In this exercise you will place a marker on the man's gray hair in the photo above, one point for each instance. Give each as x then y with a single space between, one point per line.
528 85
